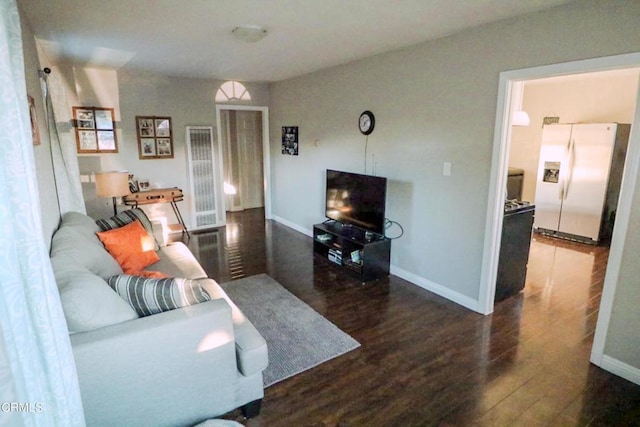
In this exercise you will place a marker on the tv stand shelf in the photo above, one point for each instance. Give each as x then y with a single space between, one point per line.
364 253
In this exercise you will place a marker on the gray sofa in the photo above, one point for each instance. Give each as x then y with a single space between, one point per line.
174 368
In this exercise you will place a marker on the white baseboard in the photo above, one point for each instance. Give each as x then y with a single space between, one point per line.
621 369
305 231
437 289
430 286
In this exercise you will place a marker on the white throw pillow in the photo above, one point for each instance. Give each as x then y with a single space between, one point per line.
87 301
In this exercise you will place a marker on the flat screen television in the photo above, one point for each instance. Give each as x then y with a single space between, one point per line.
356 199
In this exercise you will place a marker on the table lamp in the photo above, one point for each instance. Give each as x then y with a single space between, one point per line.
112 184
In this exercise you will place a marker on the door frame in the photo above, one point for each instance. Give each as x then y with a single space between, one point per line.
498 180
266 153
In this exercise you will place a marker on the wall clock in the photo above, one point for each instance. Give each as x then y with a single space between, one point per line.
367 122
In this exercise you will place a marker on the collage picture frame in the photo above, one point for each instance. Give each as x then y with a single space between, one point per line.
155 137
95 130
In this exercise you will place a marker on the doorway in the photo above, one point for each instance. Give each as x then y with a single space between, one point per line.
243 132
502 138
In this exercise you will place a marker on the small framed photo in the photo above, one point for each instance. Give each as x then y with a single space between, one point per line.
145 127
164 147
85 119
147 147
104 119
143 185
163 128
155 139
106 140
133 184
95 130
87 141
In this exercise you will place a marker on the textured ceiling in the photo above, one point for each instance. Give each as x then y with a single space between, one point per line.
192 38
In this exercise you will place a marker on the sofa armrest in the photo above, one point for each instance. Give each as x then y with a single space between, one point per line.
251 347
171 368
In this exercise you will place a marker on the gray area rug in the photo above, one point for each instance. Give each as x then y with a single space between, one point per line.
297 336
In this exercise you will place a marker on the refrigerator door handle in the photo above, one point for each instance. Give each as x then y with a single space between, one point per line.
561 192
563 172
572 157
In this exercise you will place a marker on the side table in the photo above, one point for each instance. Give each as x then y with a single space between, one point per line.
158 195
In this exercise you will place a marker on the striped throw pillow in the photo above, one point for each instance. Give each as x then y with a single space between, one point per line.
127 217
150 296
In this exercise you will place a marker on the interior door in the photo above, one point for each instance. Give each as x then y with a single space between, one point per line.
552 172
586 187
249 128
243 159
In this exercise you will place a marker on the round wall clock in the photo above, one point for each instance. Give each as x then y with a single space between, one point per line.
367 122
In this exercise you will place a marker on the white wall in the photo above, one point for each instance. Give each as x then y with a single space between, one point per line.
588 98
623 338
42 153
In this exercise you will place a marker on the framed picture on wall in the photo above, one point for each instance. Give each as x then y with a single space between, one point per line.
95 130
155 138
35 131
290 140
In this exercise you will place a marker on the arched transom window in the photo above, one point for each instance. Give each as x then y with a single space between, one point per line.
232 91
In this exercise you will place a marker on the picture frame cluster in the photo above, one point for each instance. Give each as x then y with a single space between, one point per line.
155 137
95 130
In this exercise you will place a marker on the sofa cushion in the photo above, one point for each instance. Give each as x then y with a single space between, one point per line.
150 296
131 246
176 260
127 217
87 301
76 241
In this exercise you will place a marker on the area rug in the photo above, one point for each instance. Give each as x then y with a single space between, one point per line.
297 336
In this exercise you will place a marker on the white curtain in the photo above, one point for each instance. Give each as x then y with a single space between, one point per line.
63 148
38 382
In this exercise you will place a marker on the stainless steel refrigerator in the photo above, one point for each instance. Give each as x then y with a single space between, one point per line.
579 175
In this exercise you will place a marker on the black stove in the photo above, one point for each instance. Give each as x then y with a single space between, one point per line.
516 205
517 225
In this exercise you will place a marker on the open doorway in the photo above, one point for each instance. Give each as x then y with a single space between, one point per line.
565 170
503 137
242 159
243 132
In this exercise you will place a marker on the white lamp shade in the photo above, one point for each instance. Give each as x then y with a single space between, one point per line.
520 118
112 184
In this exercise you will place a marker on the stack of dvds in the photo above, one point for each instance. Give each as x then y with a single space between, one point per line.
335 255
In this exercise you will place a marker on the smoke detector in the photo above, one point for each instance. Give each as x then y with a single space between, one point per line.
249 33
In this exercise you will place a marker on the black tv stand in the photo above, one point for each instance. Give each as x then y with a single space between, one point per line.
361 252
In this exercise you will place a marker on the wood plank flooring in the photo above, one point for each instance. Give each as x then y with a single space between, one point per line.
425 360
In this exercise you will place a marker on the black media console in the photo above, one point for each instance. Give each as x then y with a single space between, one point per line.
364 253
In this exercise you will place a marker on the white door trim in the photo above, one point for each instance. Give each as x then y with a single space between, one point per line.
266 156
499 165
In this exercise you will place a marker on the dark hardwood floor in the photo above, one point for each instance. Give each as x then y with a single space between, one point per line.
424 360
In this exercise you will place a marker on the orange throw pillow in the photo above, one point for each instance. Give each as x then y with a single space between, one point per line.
131 246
